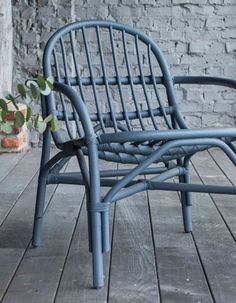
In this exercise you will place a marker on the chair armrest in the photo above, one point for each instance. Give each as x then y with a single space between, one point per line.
79 106
206 80
167 135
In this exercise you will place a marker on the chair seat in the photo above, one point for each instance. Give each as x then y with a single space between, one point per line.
128 153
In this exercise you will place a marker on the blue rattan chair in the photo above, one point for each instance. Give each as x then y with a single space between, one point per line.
114 97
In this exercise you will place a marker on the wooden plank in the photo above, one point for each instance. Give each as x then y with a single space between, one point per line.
14 184
16 231
39 272
181 276
215 243
210 173
133 273
76 280
226 166
8 162
15 235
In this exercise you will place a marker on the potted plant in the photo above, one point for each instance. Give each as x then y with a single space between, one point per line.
14 116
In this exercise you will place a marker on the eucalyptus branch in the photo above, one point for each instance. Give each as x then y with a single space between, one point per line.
27 92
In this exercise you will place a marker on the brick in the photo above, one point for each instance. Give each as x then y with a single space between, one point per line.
46 11
227 10
222 107
28 13
216 1
193 121
231 47
210 119
205 10
226 120
229 33
216 48
130 2
198 47
168 11
230 22
172 35
215 22
153 2
191 106
30 38
164 22
120 11
43 2
12 142
64 13
229 2
181 47
190 1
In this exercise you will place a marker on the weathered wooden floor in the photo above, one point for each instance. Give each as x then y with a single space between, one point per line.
152 260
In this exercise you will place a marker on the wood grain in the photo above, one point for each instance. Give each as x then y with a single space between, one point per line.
14 184
214 240
180 273
133 272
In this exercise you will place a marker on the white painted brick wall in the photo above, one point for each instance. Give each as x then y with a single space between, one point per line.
198 37
5 47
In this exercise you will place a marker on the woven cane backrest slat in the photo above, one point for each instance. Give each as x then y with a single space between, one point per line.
117 72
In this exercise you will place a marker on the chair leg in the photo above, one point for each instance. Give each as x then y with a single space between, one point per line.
105 232
38 217
97 257
95 215
41 191
186 199
187 215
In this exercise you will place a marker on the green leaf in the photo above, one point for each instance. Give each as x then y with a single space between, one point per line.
46 91
19 119
21 90
37 120
50 81
3 105
34 90
41 127
29 124
4 115
41 82
48 119
28 113
12 99
6 127
54 125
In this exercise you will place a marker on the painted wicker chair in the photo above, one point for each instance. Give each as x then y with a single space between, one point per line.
115 95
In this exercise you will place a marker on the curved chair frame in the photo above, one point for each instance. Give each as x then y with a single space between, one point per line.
174 148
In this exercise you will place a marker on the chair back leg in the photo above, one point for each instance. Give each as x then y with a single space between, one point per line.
186 198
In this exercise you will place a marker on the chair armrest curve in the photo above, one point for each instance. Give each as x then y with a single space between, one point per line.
205 80
167 135
78 104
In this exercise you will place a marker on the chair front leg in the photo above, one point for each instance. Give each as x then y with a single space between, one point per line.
39 209
41 190
95 214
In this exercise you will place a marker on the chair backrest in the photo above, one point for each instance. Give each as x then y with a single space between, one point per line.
119 72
